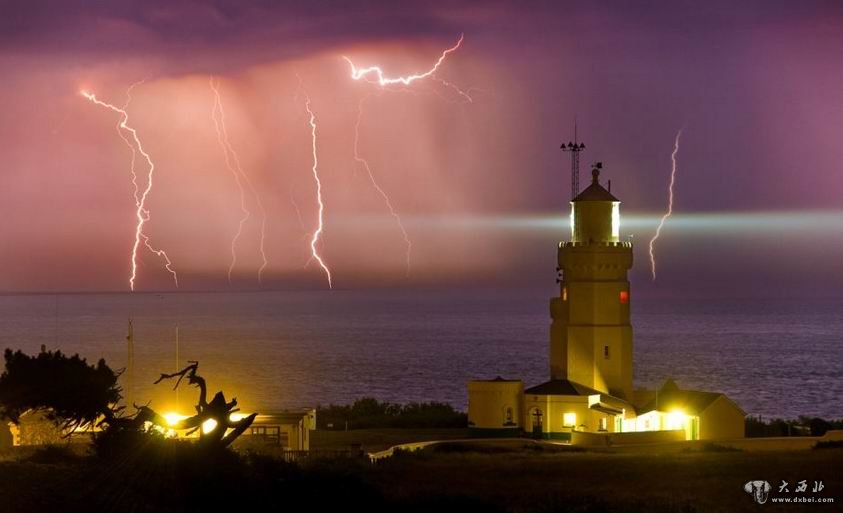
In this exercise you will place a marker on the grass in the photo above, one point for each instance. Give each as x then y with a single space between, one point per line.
489 476
712 447
831 444
530 480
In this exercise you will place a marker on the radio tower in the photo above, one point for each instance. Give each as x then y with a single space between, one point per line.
575 148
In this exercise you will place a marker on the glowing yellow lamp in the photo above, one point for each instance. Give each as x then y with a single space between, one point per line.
173 418
676 419
209 425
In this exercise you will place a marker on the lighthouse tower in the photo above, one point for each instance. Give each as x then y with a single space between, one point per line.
590 386
591 334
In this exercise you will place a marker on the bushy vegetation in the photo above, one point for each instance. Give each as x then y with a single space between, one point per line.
66 388
803 426
370 413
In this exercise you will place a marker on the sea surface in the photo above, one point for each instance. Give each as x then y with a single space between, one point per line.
774 357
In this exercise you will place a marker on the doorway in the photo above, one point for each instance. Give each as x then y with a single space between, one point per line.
537 417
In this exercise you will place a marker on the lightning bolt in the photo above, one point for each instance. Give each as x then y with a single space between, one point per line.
141 212
669 203
297 209
232 162
363 162
314 240
380 78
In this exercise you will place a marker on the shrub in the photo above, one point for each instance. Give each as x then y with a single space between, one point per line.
368 412
803 426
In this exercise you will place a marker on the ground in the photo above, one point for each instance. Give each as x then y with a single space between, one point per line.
517 476
523 477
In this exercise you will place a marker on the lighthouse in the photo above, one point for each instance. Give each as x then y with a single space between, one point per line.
589 398
590 332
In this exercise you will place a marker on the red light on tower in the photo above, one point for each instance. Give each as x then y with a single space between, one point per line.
624 297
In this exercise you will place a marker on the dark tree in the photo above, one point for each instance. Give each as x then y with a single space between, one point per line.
218 410
67 390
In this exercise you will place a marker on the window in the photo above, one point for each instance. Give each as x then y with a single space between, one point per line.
606 352
603 424
270 434
569 419
623 297
508 417
564 293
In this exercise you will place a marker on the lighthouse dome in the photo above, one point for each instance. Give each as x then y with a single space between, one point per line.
595 191
595 214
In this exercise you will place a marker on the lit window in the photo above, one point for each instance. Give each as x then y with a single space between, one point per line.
624 297
606 352
603 424
569 419
616 220
564 293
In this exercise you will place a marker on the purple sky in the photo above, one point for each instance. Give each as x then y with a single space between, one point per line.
758 88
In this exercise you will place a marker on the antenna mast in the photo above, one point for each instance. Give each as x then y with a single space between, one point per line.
130 366
177 365
574 148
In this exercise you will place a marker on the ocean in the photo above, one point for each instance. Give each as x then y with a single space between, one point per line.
774 357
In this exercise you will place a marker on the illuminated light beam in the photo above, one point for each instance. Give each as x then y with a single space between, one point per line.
669 203
363 162
240 176
314 240
382 80
141 212
691 223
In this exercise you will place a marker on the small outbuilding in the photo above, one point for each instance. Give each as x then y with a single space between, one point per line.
703 415
495 407
288 429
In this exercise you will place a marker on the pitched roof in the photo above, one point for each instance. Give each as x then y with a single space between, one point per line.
595 192
496 380
561 387
689 401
